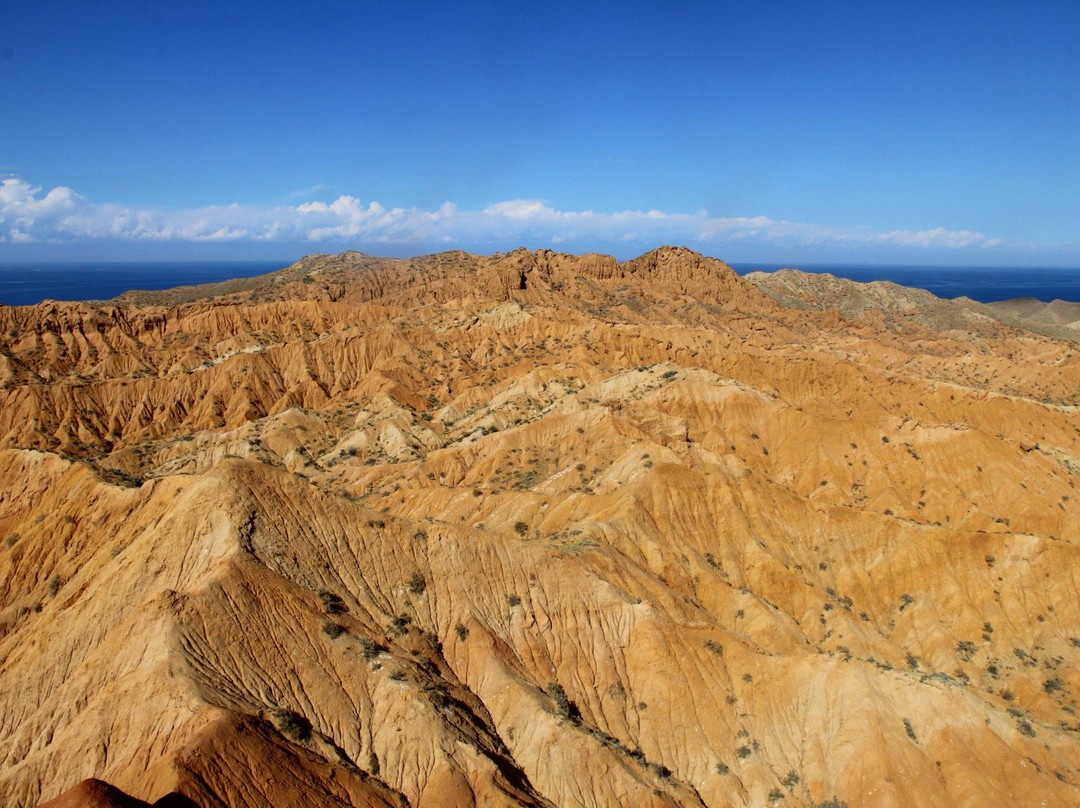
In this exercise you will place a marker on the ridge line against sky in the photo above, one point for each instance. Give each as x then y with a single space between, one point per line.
29 215
775 131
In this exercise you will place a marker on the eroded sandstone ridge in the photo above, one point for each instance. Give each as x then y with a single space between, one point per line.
537 529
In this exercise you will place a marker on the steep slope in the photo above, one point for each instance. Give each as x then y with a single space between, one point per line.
536 529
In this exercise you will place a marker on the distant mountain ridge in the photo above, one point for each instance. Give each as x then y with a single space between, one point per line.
364 278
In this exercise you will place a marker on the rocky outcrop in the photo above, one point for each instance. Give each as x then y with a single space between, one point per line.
635 533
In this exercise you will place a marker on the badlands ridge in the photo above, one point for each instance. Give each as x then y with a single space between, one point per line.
539 530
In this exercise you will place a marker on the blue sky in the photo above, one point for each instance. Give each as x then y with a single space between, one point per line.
766 131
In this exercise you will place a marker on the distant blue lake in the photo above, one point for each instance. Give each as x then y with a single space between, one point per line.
26 284
985 284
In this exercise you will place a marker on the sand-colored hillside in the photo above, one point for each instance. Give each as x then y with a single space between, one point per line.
537 529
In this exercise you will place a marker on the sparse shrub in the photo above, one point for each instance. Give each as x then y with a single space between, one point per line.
776 795
462 631
397 676
790 780
722 768
965 649
521 528
743 752
417 584
910 730
1007 695
567 708
293 724
399 624
332 603
715 647
370 648
54 585
832 803
513 600
1053 685
1025 728
333 630
10 540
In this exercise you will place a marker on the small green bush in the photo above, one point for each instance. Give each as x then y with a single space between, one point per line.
292 724
910 730
417 584
370 648
567 708
332 603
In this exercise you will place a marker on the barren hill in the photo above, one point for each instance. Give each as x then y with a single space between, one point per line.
537 529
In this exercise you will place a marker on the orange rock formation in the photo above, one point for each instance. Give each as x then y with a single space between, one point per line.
537 529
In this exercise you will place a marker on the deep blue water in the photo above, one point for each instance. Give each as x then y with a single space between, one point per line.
985 284
26 284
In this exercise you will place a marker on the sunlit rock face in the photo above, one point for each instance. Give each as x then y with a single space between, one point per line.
538 529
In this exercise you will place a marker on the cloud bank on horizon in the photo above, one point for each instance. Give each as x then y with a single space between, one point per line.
29 214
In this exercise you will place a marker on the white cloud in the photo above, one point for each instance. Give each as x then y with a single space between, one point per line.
317 188
29 214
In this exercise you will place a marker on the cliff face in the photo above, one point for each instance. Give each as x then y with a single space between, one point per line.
536 529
